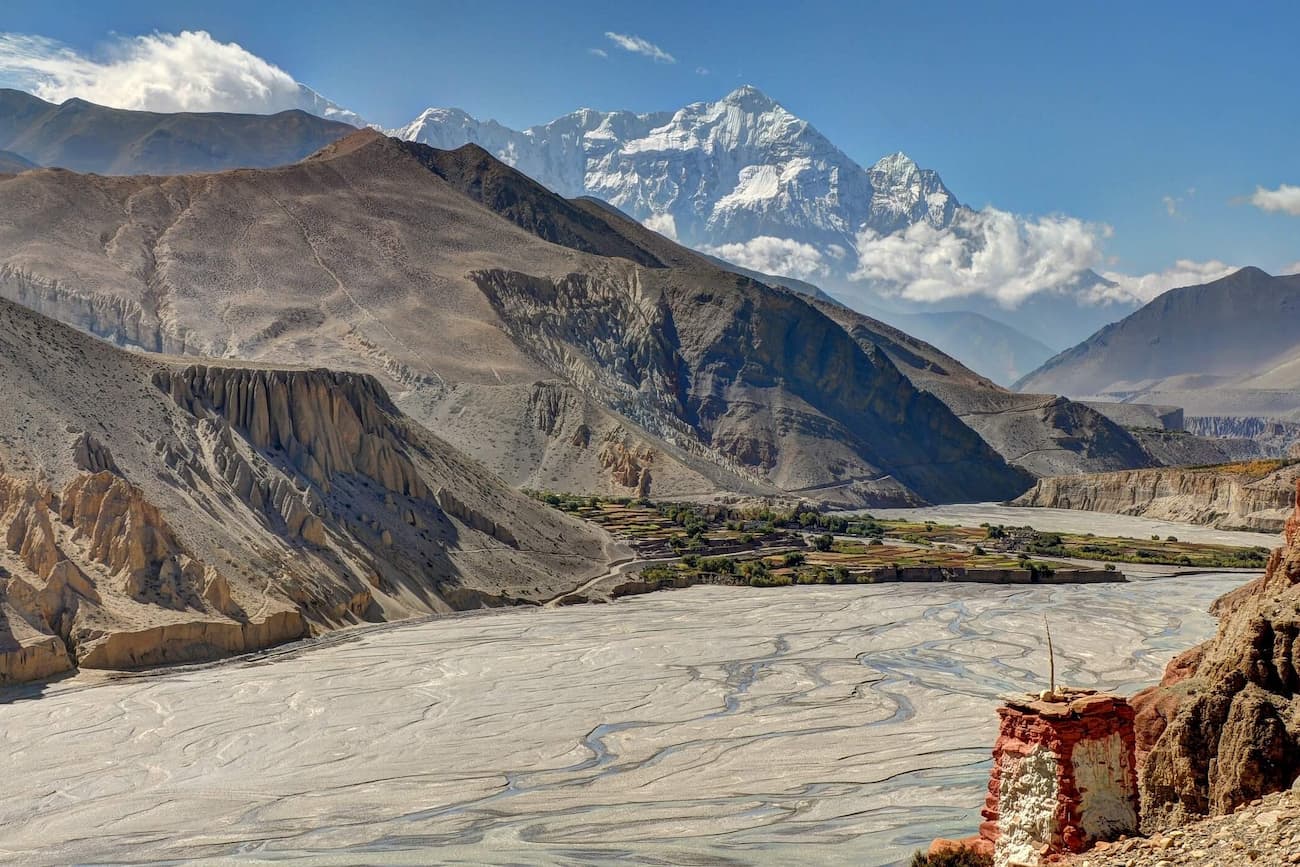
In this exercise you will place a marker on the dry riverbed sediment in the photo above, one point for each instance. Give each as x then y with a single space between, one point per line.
842 725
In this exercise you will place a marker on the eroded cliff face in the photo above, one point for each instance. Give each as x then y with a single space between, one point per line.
99 579
1223 728
754 379
221 509
325 423
1225 498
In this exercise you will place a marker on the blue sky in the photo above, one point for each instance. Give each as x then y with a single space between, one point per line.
1112 112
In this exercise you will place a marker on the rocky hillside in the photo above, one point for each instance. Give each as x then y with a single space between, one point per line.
85 137
499 314
1221 729
1252 495
1044 434
1263 833
1226 348
1180 448
158 510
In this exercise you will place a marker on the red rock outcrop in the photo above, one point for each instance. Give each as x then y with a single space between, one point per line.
1156 705
1231 732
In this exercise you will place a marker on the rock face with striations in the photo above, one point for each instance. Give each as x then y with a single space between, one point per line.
1041 433
1239 496
221 509
1222 729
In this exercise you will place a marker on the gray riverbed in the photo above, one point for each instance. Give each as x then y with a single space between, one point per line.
830 725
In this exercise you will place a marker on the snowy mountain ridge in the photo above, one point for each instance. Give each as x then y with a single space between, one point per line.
713 175
745 180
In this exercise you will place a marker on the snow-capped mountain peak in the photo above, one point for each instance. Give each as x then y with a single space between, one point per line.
750 98
896 164
905 194
732 176
313 103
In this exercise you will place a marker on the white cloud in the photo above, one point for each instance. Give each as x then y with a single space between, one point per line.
997 255
664 224
1293 268
166 72
637 45
987 253
780 256
701 70
1174 204
1184 272
1286 198
599 52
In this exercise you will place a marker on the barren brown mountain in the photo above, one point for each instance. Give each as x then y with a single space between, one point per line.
1042 433
1225 348
527 329
158 510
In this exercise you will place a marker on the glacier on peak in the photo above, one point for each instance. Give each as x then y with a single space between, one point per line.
736 173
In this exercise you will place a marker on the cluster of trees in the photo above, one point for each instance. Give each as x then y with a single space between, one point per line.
694 519
755 572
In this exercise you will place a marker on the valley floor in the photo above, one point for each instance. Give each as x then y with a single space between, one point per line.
845 725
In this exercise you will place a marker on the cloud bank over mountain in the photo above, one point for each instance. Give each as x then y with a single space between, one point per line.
163 72
782 256
1184 272
990 253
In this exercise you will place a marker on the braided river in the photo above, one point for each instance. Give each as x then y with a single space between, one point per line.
709 726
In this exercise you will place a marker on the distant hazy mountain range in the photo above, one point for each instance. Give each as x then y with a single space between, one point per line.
1226 348
85 137
12 163
744 179
1001 352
